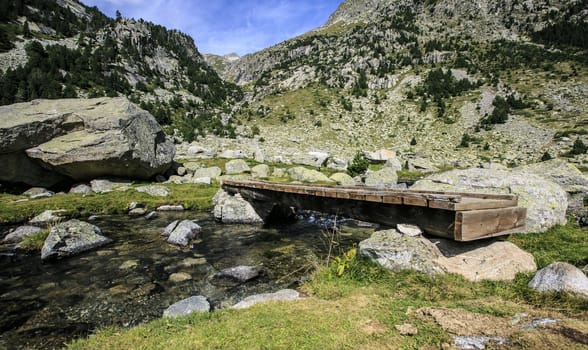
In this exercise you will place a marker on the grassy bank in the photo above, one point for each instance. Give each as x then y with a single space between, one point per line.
192 196
361 308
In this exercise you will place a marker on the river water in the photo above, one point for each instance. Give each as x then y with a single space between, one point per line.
131 281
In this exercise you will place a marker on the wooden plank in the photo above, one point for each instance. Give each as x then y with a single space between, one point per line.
415 200
477 224
391 199
469 194
373 197
478 203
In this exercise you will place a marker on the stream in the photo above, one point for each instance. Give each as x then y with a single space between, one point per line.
131 281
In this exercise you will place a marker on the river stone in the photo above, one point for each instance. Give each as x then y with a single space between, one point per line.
342 179
151 215
546 201
316 159
137 212
104 185
260 171
560 276
87 138
179 277
38 192
212 172
71 238
183 232
282 295
170 208
485 260
20 233
81 189
234 209
307 175
170 228
397 252
240 273
49 217
237 166
384 178
187 306
154 190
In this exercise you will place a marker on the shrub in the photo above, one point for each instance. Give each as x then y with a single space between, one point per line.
358 165
413 141
546 156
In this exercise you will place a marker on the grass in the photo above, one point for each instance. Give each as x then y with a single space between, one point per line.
361 308
34 242
192 196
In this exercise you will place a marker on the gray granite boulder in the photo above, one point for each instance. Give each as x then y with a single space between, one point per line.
561 276
187 306
384 178
379 156
154 190
181 232
20 233
546 201
307 175
343 179
260 171
282 295
71 238
106 185
81 189
316 159
212 172
234 209
82 139
38 192
49 217
236 166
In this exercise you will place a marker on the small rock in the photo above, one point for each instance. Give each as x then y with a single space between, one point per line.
48 217
409 230
38 192
240 273
81 189
337 164
233 154
540 323
212 172
394 164
343 179
154 190
406 329
104 186
477 342
135 205
170 208
279 172
202 180
129 264
560 276
379 156
179 277
237 166
282 295
187 306
234 209
152 215
181 171
20 233
384 178
137 212
308 175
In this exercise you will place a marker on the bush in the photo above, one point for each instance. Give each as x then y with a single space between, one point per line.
413 142
578 148
546 156
358 165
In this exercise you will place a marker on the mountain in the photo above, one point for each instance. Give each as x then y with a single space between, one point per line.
62 48
455 82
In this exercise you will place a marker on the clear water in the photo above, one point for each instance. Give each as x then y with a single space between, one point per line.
44 305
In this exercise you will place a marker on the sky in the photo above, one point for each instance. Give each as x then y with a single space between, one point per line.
228 26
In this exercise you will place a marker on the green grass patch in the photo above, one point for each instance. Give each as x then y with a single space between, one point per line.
191 196
35 242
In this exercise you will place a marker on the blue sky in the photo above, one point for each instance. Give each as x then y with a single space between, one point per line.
225 26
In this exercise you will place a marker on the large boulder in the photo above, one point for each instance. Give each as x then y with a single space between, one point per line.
237 166
315 159
71 238
487 260
561 276
260 171
20 233
384 178
379 156
49 140
343 179
234 209
181 232
307 175
546 201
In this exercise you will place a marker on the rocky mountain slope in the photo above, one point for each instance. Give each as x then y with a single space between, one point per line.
457 83
61 48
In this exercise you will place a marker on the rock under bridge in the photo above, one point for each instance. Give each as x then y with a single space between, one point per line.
458 216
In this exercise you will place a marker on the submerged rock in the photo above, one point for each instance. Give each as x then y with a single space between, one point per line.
187 306
561 276
240 273
282 295
181 232
71 238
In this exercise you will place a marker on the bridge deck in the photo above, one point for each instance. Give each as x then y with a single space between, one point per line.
472 215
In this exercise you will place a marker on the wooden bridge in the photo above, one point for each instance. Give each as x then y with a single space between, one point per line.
458 216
